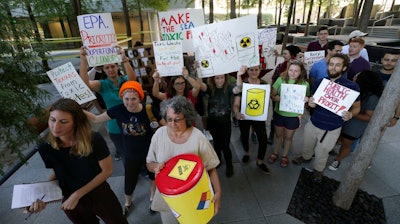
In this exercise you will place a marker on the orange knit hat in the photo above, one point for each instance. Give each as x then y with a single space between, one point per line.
132 85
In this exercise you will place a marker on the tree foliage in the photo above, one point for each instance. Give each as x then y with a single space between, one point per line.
20 96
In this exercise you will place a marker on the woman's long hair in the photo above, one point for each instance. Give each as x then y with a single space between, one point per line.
82 128
213 86
369 82
171 90
303 72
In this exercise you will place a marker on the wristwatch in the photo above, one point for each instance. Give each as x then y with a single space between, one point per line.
396 117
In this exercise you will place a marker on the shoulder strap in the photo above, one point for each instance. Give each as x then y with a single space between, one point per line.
149 113
153 120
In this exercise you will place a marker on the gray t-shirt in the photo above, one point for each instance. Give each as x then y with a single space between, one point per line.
355 127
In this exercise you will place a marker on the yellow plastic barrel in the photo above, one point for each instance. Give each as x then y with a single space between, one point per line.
185 186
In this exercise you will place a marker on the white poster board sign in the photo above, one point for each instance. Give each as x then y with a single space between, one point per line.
310 57
169 57
99 38
177 25
69 84
224 47
334 97
255 101
292 98
267 41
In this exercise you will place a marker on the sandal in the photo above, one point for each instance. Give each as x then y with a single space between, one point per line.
272 158
127 208
284 161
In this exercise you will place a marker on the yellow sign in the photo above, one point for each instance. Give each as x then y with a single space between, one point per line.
255 102
182 169
245 42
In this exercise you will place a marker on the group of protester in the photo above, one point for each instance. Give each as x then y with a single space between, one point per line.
348 66
146 136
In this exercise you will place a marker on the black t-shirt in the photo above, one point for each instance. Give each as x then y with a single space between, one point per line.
72 171
219 105
135 129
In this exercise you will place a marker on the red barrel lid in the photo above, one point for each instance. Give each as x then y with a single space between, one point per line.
180 174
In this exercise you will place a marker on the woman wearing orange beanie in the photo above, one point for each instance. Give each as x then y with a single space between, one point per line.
136 132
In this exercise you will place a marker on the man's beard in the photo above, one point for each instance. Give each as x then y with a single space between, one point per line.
334 75
391 69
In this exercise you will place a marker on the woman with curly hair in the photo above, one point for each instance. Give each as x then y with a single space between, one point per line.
371 87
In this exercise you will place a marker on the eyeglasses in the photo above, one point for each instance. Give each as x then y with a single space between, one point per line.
176 120
179 83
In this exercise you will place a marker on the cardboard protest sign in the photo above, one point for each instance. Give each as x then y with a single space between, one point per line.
177 25
255 101
267 43
224 47
98 36
69 84
310 57
169 57
292 98
334 97
142 60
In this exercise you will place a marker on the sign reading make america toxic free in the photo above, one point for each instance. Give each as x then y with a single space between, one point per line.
99 38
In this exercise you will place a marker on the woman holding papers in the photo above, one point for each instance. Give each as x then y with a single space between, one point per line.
371 88
133 121
109 88
244 125
81 163
286 122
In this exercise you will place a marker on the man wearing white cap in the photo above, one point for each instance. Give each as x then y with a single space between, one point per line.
356 33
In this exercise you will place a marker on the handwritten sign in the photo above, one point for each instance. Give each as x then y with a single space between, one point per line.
177 25
334 97
169 57
255 101
69 84
142 59
267 43
224 47
310 57
98 36
292 98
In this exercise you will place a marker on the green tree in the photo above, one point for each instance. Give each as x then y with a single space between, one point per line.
19 96
139 5
233 9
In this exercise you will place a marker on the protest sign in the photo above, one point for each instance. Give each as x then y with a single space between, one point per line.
334 97
169 57
223 47
69 84
98 36
255 101
142 60
292 98
177 25
310 57
267 43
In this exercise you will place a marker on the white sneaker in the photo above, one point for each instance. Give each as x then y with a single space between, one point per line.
334 165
